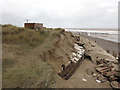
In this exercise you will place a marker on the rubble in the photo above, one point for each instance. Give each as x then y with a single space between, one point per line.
72 65
106 64
98 78
98 81
114 84
84 79
108 69
75 57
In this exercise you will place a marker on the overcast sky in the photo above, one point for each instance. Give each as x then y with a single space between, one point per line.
62 13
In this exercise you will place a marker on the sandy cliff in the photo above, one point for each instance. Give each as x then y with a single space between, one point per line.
98 69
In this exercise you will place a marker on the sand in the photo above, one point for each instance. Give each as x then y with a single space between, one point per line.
63 47
105 44
76 81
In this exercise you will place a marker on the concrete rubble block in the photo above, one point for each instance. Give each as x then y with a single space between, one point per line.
114 84
73 60
77 47
73 54
76 59
103 69
98 81
113 60
79 56
79 52
101 65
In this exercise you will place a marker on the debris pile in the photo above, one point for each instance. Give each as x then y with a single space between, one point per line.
73 64
69 50
108 69
75 57
106 64
98 78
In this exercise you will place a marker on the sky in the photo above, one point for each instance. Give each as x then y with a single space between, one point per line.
61 13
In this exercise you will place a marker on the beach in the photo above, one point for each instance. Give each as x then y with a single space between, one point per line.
105 44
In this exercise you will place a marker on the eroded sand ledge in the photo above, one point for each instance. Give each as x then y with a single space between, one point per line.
60 54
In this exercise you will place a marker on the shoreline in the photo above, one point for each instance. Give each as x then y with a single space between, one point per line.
106 44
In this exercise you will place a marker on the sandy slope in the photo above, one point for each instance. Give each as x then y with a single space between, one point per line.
59 55
76 80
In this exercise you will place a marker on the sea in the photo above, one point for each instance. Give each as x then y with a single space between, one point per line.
111 35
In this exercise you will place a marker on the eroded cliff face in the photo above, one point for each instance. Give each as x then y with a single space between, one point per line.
64 47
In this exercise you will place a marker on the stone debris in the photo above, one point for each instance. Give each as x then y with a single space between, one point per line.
114 84
98 78
75 57
98 81
84 79
106 64
107 69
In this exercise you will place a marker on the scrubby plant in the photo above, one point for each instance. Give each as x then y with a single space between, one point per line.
8 62
33 74
23 36
22 68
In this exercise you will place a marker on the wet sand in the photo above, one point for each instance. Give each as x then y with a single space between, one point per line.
105 44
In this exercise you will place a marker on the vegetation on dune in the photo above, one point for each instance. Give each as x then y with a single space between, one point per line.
15 35
34 73
22 65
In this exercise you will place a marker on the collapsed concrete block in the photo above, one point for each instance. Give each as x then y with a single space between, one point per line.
79 56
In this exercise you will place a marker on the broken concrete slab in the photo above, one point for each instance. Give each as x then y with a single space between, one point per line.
114 84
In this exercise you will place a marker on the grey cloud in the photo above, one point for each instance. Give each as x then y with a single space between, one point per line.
62 13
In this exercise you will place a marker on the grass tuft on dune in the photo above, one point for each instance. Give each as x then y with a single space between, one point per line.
22 64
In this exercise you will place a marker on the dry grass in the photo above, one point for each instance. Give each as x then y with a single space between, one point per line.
27 37
22 66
